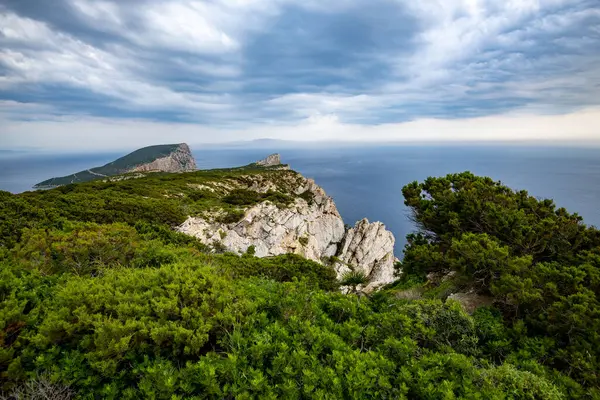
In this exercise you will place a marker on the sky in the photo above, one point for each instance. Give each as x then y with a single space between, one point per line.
111 74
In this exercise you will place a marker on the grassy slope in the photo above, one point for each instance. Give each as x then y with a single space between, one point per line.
159 198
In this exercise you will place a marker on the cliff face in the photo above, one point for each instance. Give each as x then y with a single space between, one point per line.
311 226
270 161
180 160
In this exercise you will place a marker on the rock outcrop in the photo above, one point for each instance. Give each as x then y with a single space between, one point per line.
312 229
271 160
179 160
311 226
369 248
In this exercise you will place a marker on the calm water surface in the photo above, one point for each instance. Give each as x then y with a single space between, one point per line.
367 182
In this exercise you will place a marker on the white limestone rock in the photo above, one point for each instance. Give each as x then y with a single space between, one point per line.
311 230
271 160
311 226
179 160
369 248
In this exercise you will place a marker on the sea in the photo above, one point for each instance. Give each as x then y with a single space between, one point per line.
366 181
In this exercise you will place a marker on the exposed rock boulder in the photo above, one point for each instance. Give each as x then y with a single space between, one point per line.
369 248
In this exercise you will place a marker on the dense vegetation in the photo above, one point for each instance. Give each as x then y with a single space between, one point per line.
119 166
101 298
540 264
158 198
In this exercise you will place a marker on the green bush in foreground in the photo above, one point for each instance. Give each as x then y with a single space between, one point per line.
540 264
182 330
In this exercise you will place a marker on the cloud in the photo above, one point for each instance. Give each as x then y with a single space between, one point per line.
239 64
128 134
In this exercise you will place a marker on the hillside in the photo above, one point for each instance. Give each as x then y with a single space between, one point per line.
166 158
102 295
264 205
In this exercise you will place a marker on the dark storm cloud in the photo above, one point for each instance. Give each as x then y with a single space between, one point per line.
223 62
303 50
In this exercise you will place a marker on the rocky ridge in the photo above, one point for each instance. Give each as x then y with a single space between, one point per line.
369 248
310 226
179 160
269 161
164 158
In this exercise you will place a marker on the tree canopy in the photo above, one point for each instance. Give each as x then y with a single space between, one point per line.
540 264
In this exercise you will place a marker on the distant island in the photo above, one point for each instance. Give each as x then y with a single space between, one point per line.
165 158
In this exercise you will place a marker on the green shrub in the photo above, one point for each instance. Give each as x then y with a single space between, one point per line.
199 195
354 279
278 198
81 249
98 294
308 196
540 264
282 268
243 197
231 217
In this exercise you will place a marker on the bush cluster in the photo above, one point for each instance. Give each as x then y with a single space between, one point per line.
540 264
101 299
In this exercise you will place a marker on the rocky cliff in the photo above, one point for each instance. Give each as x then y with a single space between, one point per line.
269 161
310 226
368 248
166 158
179 160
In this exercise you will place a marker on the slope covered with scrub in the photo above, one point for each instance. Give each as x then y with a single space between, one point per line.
101 298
